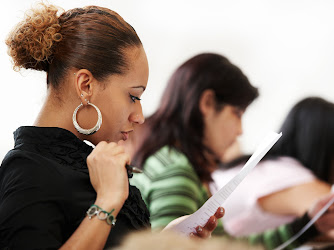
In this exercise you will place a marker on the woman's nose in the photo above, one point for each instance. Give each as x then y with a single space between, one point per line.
240 130
137 117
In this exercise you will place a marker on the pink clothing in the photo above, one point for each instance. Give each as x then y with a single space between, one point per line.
243 215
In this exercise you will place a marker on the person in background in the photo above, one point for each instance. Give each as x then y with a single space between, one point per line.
298 170
57 192
181 144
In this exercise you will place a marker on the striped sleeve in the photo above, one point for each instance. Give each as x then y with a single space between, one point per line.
273 238
170 190
171 195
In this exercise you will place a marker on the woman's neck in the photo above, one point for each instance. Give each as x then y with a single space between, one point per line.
55 113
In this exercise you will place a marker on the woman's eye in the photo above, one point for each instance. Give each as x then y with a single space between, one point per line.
238 113
134 98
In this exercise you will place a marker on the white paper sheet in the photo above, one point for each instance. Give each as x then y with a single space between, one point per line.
209 208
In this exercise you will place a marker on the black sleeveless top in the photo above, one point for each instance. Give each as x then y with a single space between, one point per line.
45 192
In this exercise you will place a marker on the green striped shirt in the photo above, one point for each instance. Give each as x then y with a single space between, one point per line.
170 188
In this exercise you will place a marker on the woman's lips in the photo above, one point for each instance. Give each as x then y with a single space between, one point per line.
125 135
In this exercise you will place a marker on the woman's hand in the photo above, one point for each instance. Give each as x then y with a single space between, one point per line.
108 174
325 224
201 232
205 232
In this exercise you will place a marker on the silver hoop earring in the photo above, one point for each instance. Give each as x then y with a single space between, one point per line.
91 130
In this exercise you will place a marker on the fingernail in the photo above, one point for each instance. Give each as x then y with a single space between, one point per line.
199 229
221 210
213 220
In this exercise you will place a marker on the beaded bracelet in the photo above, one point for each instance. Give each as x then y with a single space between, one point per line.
101 214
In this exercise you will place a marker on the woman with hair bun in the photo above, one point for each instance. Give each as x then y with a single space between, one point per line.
56 191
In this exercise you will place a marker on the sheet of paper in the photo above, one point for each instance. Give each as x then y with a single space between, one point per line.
202 215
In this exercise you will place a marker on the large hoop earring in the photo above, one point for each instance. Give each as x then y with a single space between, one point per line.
91 130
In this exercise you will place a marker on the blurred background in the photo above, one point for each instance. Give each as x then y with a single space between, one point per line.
285 47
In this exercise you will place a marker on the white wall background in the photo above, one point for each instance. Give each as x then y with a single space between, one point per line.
285 47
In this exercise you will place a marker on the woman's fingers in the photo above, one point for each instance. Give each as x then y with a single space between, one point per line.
220 212
211 224
319 205
202 232
205 232
325 223
108 148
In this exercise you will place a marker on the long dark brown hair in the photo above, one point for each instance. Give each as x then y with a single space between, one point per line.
178 121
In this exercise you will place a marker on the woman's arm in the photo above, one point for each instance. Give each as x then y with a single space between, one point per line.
295 200
109 178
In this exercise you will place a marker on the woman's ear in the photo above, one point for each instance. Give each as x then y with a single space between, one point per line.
207 102
83 80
